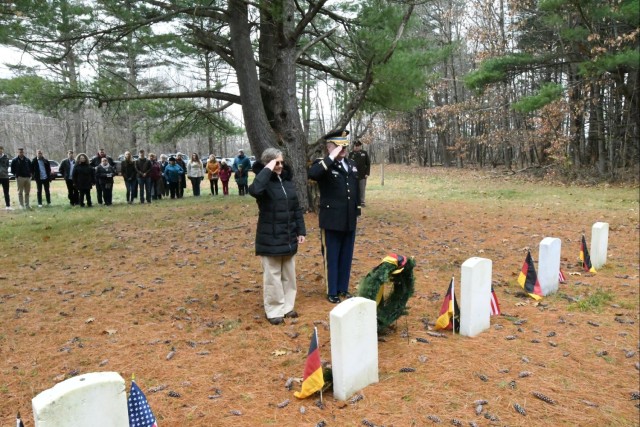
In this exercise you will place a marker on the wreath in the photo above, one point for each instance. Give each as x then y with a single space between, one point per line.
396 270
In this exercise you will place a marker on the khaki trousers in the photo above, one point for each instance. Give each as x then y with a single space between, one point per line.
279 285
24 187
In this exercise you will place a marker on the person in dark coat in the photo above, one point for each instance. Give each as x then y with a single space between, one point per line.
363 164
104 179
97 161
4 178
83 178
66 169
130 176
143 168
41 170
339 208
279 231
21 169
183 178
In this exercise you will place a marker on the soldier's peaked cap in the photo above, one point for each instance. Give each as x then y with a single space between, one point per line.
338 137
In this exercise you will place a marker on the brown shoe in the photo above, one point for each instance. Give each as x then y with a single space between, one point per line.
292 314
276 320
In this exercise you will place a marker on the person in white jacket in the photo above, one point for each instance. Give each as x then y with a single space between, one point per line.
195 173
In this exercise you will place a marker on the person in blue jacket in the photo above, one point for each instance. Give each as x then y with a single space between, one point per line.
339 208
173 175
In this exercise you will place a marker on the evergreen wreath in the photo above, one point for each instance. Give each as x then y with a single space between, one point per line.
398 271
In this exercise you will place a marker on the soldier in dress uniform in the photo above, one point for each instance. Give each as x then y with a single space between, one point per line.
337 178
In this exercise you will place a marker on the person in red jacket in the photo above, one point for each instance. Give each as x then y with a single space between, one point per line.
225 176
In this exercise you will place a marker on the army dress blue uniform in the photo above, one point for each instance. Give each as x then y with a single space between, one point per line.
339 208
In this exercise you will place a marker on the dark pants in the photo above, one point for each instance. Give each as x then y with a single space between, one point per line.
107 192
99 191
157 188
165 188
145 184
213 183
43 184
72 193
173 189
225 188
195 185
132 189
5 190
337 251
85 193
182 185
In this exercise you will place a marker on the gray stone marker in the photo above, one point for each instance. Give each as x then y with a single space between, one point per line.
475 296
97 399
354 346
599 244
549 265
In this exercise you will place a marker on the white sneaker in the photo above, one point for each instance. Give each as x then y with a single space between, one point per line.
39 206
9 208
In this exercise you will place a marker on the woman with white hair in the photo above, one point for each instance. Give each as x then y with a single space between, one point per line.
279 231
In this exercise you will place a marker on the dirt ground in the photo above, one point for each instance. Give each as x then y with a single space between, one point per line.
120 292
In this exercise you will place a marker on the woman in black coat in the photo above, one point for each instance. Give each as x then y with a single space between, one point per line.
104 179
280 229
83 178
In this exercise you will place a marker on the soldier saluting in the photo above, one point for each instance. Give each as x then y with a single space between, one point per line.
337 178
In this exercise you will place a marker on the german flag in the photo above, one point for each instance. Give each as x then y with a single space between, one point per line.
585 258
528 278
449 310
312 378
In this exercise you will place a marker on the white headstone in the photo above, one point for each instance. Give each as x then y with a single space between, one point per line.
97 399
549 265
599 244
354 346
475 296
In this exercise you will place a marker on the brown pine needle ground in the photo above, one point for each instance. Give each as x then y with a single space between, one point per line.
117 289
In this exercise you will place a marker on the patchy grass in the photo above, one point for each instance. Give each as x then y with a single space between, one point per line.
594 302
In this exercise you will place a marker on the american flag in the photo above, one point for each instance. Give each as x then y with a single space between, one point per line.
495 307
140 414
561 277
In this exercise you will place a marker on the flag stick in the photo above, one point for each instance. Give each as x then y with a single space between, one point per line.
453 299
315 331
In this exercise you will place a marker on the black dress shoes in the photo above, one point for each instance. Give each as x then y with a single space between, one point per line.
276 320
345 295
333 299
292 314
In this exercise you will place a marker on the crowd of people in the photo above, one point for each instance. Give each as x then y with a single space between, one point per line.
341 178
145 178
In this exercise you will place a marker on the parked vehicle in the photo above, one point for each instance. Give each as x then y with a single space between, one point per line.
54 169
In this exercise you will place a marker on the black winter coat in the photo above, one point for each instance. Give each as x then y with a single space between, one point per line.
83 176
280 220
105 175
